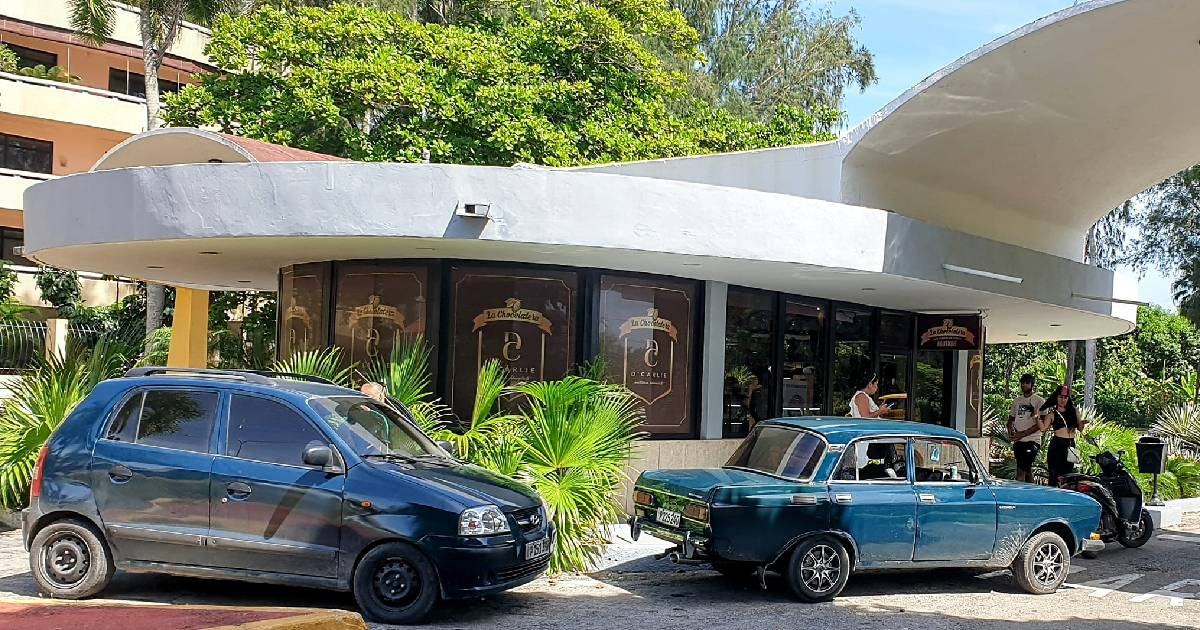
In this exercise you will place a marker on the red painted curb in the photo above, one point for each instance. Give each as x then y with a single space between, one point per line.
39 616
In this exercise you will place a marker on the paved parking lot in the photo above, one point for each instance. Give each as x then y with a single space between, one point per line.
1155 587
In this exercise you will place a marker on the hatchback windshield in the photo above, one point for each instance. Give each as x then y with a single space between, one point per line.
779 451
371 428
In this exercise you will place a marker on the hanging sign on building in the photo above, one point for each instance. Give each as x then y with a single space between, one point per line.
949 332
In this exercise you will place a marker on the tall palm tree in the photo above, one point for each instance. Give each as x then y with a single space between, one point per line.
1186 291
159 24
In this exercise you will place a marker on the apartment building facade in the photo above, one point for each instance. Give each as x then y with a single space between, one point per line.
50 127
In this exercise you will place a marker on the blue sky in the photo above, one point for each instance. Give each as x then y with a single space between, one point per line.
912 39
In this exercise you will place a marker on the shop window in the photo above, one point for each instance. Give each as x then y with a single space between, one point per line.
804 346
32 57
523 318
26 154
646 327
933 387
379 308
852 361
896 338
10 239
303 308
134 84
749 339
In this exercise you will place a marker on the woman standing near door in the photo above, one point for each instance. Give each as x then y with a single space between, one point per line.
862 405
1059 413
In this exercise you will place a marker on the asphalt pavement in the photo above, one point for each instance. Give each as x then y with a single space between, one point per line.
1155 587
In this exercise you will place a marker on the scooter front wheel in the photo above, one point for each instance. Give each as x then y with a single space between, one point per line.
1140 535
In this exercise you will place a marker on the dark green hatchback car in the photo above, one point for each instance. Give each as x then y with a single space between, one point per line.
817 499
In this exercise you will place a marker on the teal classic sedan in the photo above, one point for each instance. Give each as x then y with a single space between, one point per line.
817 499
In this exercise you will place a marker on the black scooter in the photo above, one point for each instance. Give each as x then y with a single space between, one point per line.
1122 518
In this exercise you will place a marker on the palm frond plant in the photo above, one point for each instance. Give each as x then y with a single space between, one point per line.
577 435
324 363
1184 477
157 348
473 439
40 402
408 378
1180 423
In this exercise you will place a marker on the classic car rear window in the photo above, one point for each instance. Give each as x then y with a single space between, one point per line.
779 451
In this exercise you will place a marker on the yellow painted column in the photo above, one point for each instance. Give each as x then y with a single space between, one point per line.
189 331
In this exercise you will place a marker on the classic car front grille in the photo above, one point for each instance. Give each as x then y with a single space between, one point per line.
528 519
522 570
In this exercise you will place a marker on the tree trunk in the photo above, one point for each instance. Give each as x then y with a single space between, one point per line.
1072 348
1089 373
155 303
152 57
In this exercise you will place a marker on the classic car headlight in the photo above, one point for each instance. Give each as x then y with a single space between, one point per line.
696 512
481 521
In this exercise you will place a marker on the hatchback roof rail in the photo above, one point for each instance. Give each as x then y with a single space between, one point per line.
249 377
295 376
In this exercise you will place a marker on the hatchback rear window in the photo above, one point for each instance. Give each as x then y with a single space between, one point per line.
181 420
779 451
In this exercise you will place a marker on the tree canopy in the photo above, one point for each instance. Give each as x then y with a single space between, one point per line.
574 82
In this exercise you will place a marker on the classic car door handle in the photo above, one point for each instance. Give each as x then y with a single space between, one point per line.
927 498
119 474
237 490
843 497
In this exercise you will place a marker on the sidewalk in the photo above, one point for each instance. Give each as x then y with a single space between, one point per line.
1171 514
33 614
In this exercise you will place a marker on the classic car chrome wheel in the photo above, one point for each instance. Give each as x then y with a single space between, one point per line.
818 569
1042 564
1048 564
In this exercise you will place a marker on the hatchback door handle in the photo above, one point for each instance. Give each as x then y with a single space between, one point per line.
927 498
237 490
119 474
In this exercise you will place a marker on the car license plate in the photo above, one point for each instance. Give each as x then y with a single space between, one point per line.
535 549
667 517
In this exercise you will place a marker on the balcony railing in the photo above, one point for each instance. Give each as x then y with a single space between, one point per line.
62 85
70 103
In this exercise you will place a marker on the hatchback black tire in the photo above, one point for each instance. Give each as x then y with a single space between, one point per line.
818 569
395 583
1140 537
1042 564
70 560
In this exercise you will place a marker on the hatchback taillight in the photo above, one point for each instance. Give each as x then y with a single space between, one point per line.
35 484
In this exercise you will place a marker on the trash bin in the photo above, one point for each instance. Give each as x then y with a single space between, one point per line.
1151 455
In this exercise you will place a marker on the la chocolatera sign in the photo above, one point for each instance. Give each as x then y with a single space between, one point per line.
949 332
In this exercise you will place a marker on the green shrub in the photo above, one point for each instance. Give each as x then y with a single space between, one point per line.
324 363
8 59
40 402
1180 423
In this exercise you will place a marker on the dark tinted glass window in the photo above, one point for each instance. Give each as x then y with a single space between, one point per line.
852 362
177 419
804 326
749 335
134 84
124 424
26 154
32 57
268 431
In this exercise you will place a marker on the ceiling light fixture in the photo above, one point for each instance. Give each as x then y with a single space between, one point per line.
867 289
210 253
155 267
244 281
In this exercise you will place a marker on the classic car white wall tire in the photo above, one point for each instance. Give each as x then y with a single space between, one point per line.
69 560
1042 564
818 569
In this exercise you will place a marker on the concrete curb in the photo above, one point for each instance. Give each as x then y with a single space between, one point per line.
1171 514
294 619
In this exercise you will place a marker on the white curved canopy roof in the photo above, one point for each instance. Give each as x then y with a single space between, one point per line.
1046 128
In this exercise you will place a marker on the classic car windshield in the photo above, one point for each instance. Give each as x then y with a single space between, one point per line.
373 429
779 451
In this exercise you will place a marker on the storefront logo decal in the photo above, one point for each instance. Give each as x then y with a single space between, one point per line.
947 335
642 333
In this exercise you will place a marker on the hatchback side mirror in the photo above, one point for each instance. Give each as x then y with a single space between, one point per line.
448 447
320 456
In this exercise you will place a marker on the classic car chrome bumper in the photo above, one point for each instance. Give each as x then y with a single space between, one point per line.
1093 545
692 545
